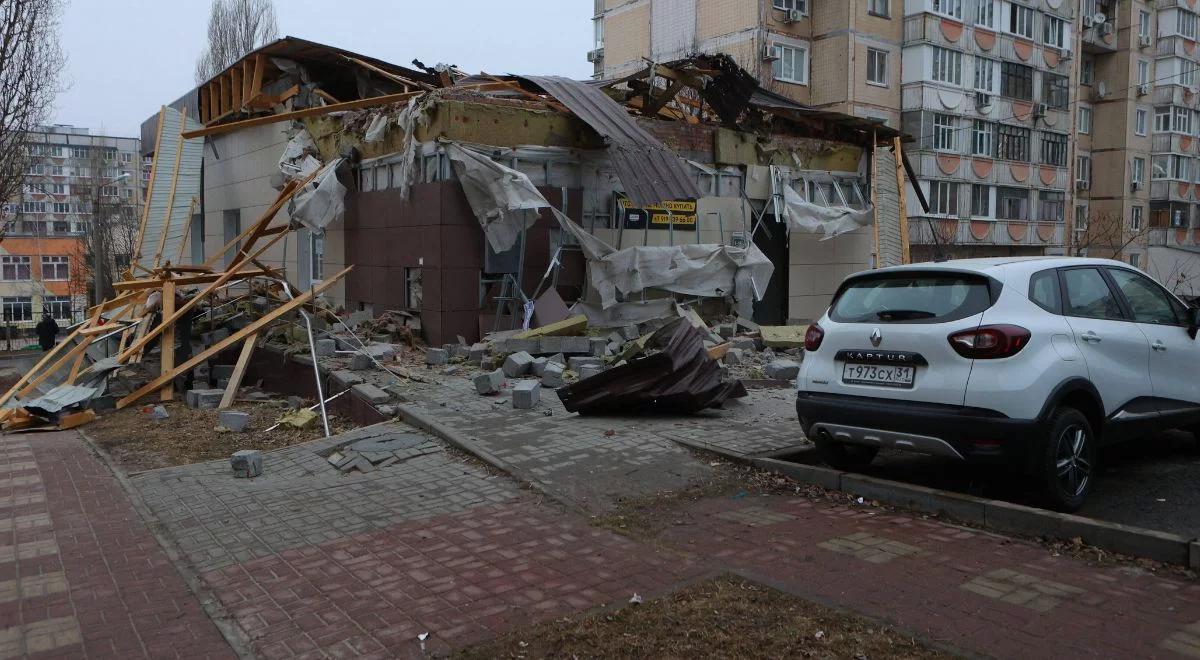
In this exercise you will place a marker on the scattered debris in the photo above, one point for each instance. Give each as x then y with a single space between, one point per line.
299 419
247 463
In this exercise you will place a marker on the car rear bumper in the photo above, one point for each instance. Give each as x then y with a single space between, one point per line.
977 435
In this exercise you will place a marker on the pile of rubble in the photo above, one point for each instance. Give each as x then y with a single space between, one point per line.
379 451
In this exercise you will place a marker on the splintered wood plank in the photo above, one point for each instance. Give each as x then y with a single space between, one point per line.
50 355
235 88
239 371
80 418
167 345
299 114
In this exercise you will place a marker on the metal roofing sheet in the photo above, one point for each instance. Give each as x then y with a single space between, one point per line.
170 187
650 172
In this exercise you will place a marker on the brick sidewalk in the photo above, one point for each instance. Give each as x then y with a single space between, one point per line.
80 575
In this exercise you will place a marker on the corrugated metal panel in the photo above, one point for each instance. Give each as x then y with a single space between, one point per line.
186 185
649 171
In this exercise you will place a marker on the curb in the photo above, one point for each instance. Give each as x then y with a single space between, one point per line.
996 515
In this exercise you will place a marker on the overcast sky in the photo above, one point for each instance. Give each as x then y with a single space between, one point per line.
128 57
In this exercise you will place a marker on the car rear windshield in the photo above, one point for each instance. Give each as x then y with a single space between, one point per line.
911 297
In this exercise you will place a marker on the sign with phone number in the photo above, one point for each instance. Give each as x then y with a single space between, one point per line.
677 214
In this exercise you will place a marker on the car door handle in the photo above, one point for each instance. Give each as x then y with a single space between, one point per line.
1091 337
1158 345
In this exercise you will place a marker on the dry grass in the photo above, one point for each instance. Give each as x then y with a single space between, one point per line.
137 442
727 617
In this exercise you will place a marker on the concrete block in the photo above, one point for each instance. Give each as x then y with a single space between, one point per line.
517 364
549 345
598 346
725 330
525 394
575 346
222 371
343 380
476 353
589 370
361 362
734 356
490 382
103 403
371 394
203 398
460 351
783 369
234 420
210 338
325 347
552 374
380 351
521 346
437 356
246 463
577 363
744 343
538 366
629 332
559 358
346 344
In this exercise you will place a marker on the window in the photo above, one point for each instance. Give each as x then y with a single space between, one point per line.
55 268
59 307
1055 91
1133 260
412 288
1088 294
1139 121
981 138
985 75
947 66
1148 302
1181 121
1087 70
1012 203
17 308
985 14
1080 218
791 64
877 73
36 168
1162 120
943 198
14 269
1187 72
598 33
33 207
981 201
1051 206
79 152
1187 24
1054 31
1138 171
1043 291
1085 120
1020 20
1083 169
951 8
1016 81
1143 23
1135 218
878 8
943 132
1054 149
786 5
126 157
1012 143
1143 74
316 250
1170 166
62 207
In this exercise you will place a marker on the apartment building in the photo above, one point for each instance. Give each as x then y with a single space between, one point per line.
71 176
985 87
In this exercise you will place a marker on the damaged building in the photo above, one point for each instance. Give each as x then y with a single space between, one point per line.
472 202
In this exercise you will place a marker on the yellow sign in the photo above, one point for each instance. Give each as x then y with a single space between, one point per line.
675 214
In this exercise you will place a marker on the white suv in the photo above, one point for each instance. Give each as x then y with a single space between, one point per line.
1033 362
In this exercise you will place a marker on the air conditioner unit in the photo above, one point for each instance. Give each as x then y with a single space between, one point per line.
1087 21
983 99
769 54
1082 185
794 16
1143 89
1039 110
1065 55
1144 40
595 56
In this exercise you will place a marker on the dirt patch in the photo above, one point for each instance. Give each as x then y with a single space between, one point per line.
725 617
138 442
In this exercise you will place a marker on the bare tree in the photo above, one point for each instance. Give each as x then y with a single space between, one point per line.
1105 235
235 27
108 237
30 62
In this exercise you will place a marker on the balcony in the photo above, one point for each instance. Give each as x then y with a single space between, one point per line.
1178 143
1173 237
1100 39
965 231
1171 190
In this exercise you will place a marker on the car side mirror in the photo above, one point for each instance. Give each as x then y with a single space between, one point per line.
1193 321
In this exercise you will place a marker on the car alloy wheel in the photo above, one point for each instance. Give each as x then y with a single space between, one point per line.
1071 463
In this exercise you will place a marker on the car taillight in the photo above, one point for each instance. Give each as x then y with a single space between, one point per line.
813 337
990 341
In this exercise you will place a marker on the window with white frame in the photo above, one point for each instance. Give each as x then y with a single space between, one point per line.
1187 24
1135 218
789 5
58 307
985 74
1087 70
879 8
1143 72
17 308
981 201
981 138
1187 72
947 66
985 14
15 268
1138 171
1162 119
951 8
943 132
1020 20
56 268
79 152
35 168
1143 23
1134 260
1181 120
1012 203
877 66
1080 218
597 33
1083 169
1054 31
33 207
1139 121
943 198
62 207
1085 119
791 64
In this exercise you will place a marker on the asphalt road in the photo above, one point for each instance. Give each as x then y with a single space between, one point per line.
1153 482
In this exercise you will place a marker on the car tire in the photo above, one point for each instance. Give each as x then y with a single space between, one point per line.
842 456
1067 464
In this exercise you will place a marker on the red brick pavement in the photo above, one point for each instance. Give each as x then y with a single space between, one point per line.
114 591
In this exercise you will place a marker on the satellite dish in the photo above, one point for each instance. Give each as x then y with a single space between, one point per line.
1099 17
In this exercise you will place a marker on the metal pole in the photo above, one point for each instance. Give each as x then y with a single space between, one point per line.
312 347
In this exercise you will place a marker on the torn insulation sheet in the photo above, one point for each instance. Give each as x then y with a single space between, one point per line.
504 200
322 201
811 218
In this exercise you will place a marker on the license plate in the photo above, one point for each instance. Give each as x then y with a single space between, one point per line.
883 375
